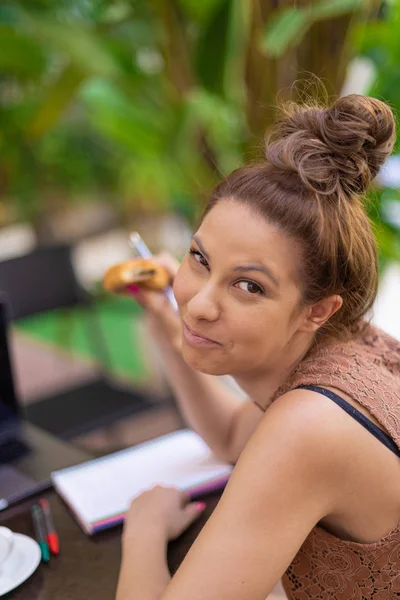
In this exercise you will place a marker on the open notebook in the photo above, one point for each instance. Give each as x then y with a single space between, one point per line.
99 491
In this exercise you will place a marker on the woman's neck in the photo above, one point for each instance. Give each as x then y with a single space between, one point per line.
261 384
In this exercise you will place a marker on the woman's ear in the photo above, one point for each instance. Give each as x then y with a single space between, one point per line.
320 312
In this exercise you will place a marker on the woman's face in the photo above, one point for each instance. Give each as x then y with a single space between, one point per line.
236 292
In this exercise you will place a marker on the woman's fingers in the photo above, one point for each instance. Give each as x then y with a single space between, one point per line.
163 319
190 514
155 302
166 260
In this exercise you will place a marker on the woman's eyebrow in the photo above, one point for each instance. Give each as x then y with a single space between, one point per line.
265 270
200 245
241 268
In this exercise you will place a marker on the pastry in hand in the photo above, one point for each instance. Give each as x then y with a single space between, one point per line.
144 272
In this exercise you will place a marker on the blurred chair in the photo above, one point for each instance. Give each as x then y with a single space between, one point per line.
44 280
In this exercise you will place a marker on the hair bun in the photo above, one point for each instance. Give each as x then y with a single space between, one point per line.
334 150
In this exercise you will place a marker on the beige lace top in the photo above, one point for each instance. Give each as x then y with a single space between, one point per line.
368 369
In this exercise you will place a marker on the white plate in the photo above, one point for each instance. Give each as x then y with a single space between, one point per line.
22 561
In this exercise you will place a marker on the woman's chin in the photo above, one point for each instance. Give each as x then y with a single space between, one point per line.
203 364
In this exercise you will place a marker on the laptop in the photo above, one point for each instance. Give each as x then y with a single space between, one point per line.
28 454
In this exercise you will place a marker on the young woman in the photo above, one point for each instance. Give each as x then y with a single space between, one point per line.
274 291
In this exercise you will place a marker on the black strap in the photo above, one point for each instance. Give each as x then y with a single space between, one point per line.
353 412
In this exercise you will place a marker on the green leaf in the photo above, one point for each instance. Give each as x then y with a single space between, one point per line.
237 48
116 12
388 242
80 45
221 123
212 49
286 29
19 55
329 9
55 100
372 37
288 26
131 125
199 11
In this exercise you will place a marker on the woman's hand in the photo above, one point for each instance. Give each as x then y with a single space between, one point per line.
155 517
164 510
162 319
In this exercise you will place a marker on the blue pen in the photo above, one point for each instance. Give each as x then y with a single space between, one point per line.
137 244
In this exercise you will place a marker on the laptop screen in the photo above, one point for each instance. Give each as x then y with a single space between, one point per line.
9 412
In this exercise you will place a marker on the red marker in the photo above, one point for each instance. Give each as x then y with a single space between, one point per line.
51 537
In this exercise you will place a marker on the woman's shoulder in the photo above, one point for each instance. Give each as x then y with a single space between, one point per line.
367 340
368 357
373 340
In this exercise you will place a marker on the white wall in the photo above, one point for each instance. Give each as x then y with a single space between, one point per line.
386 313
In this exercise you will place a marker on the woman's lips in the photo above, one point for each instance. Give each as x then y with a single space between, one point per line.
195 339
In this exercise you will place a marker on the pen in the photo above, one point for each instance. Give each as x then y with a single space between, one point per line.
137 244
40 532
52 536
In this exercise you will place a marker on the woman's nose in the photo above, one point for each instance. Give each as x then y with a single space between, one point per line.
204 305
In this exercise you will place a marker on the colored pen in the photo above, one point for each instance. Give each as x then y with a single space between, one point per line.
40 532
52 536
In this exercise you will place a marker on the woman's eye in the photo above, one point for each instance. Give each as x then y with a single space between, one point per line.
250 287
198 257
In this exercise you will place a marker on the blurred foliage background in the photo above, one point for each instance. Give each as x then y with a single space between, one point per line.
123 114
144 104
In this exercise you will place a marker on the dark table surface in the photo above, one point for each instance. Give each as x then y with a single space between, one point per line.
87 567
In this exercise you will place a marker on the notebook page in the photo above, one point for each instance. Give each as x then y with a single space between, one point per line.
104 487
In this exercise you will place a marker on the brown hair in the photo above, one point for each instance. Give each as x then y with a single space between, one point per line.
319 161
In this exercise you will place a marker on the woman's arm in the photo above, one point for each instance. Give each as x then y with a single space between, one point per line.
216 413
156 516
144 572
287 478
